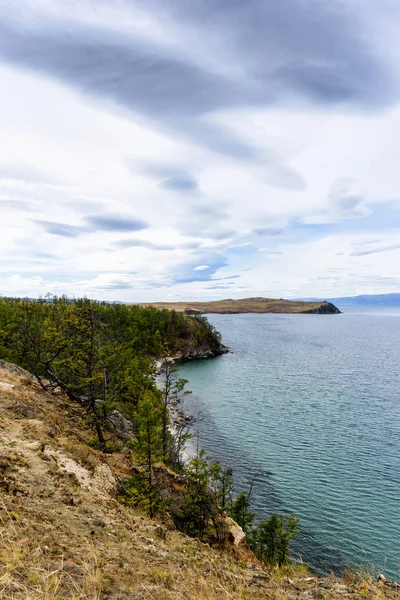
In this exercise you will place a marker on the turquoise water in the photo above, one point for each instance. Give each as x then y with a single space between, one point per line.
310 404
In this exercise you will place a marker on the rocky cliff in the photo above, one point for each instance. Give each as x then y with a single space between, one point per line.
325 308
203 341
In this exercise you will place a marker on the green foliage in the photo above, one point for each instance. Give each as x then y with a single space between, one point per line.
136 492
208 494
149 424
222 484
207 326
148 442
173 392
271 539
101 355
240 512
199 514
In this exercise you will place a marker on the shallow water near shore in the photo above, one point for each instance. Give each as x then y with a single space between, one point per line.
310 404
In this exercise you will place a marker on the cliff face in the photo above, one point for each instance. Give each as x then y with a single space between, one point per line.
203 341
65 535
326 308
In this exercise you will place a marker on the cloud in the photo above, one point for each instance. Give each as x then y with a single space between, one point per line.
61 229
268 231
218 287
170 177
116 285
191 245
93 223
129 71
266 151
18 205
316 50
23 172
104 222
279 51
341 204
206 220
281 176
225 278
180 184
375 250
142 244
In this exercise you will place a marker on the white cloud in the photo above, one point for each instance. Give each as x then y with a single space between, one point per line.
323 178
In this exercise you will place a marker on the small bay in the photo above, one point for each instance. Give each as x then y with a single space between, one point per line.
310 405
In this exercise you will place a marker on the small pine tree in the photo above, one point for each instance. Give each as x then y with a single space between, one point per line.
199 515
172 394
222 484
271 539
240 512
149 440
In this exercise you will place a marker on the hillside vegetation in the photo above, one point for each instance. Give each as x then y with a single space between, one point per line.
64 534
100 355
96 499
103 358
249 305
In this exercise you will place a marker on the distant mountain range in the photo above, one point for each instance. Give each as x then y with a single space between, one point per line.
364 300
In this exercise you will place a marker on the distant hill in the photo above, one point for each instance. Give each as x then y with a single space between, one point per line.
367 300
249 305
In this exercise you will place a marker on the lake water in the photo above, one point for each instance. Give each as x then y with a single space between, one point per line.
310 404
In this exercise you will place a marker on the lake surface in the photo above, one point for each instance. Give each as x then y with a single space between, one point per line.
310 404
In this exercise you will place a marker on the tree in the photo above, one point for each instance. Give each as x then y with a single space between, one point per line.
240 512
271 539
172 392
222 484
200 508
149 441
178 440
101 356
69 345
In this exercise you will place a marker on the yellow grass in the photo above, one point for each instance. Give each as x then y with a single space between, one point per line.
245 305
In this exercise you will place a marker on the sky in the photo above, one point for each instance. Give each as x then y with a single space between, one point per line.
199 149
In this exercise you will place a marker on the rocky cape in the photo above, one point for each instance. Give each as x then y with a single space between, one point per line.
202 341
250 305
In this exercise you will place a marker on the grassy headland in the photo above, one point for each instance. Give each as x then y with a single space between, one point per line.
249 305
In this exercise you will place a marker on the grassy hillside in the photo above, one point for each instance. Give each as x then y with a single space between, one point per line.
65 535
249 305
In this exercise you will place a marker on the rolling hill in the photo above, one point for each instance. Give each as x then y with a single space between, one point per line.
250 305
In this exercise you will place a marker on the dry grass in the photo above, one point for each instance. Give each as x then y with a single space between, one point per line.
246 305
63 535
31 570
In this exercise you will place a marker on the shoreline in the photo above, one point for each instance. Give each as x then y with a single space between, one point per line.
210 384
176 415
